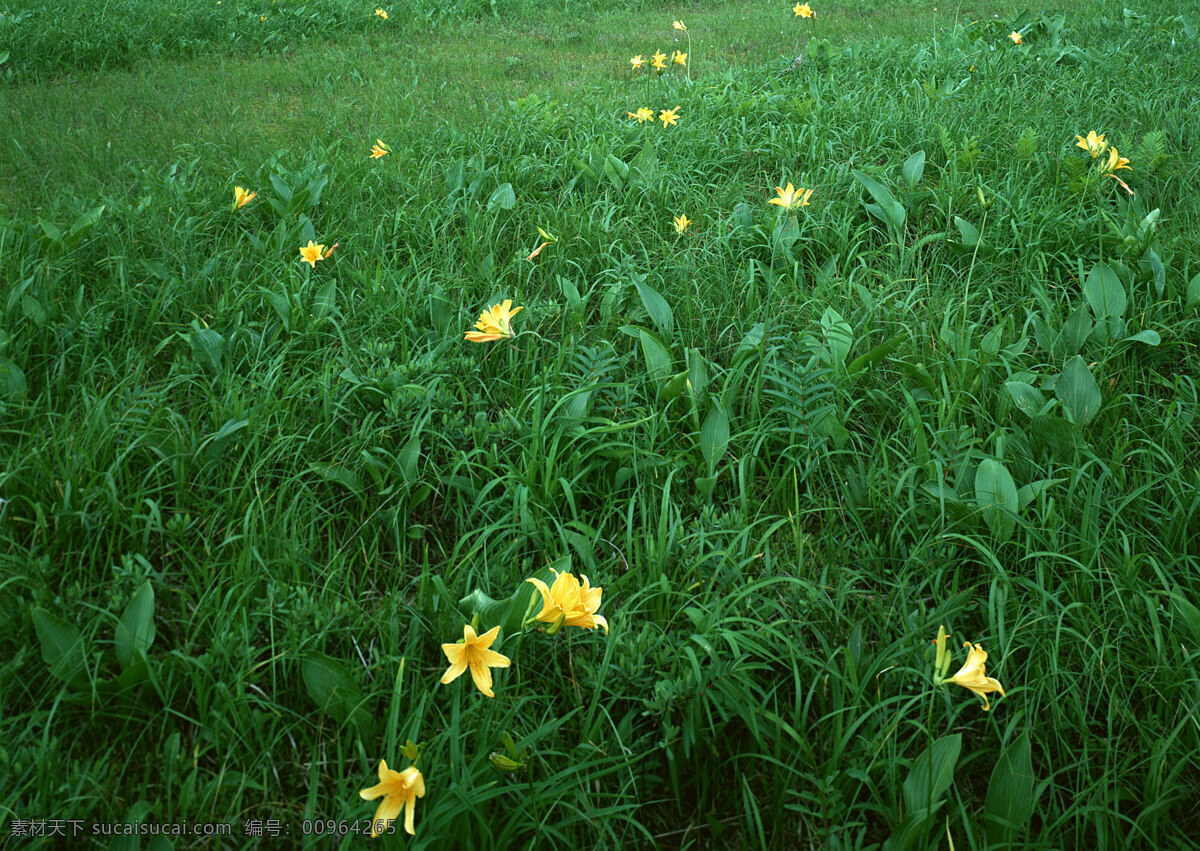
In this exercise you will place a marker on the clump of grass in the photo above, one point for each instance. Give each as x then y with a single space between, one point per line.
248 496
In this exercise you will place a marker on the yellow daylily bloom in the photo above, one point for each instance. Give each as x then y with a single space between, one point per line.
802 10
791 198
637 62
1015 36
678 25
381 13
399 790
679 58
576 604
473 653
311 253
494 323
379 149
659 61
973 676
1115 161
241 197
681 223
669 116
643 114
1093 144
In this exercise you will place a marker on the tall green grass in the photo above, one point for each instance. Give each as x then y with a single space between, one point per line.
246 500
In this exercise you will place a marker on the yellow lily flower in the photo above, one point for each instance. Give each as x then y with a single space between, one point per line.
669 116
495 323
399 790
1015 36
379 149
1115 161
659 61
679 58
568 600
643 114
241 197
973 676
1093 144
791 198
473 653
802 10
637 62
381 13
312 252
679 25
681 223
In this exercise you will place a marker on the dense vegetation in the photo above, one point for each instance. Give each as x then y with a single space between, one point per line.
246 498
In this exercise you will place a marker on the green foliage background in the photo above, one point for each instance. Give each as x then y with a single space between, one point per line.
245 501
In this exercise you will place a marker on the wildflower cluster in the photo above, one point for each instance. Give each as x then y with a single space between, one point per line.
567 602
1107 166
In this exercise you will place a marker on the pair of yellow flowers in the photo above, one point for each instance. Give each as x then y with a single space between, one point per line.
566 601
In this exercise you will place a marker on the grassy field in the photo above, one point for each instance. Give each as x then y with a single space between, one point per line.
249 503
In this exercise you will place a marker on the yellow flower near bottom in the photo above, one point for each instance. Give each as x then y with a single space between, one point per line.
973 676
473 653
399 790
1015 36
495 323
669 117
681 222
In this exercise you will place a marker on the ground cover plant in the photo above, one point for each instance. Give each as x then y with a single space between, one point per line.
603 426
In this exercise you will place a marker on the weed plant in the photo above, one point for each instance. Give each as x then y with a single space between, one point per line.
246 498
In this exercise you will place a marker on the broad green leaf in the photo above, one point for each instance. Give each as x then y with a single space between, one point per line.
838 336
440 312
1074 334
1104 293
1029 400
325 300
135 631
646 162
208 347
33 310
334 691
996 497
1010 794
752 341
87 221
617 171
875 355
889 210
714 436
1028 493
1078 391
658 356
697 373
62 647
914 168
656 306
932 773
1150 338
1193 291
12 380
503 196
